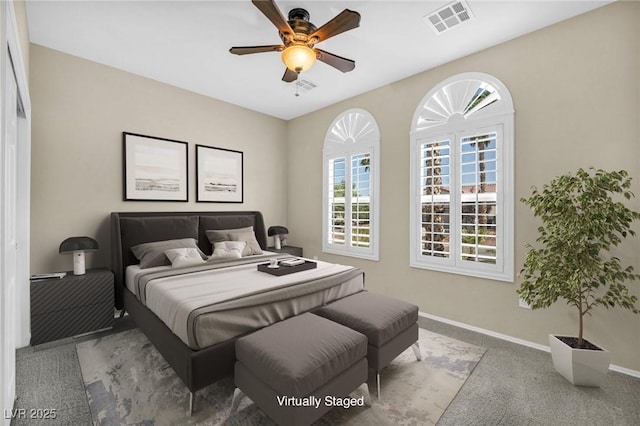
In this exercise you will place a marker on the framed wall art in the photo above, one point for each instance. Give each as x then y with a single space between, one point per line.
219 175
155 169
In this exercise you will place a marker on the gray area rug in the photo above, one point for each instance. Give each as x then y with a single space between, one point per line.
127 381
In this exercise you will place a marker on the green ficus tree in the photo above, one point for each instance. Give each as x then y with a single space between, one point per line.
583 217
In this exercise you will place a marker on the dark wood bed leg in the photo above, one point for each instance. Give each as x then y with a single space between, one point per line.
122 312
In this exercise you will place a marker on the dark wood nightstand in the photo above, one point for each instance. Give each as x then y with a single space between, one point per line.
72 305
292 250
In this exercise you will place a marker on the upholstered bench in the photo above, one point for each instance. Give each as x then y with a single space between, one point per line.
389 324
289 368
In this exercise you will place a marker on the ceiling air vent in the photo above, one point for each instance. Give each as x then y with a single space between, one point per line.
305 85
449 16
302 86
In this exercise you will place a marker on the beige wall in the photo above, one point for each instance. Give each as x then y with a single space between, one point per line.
81 108
576 93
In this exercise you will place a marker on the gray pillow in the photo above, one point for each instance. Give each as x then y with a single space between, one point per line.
252 247
218 235
152 254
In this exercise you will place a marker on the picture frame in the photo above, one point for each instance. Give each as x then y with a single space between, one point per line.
154 169
219 175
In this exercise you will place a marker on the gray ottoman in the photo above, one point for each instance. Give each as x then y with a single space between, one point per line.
389 324
303 359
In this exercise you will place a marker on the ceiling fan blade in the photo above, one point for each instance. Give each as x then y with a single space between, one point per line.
271 11
345 21
338 62
245 50
289 76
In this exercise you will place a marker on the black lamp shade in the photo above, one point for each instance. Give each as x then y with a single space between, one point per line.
72 244
277 230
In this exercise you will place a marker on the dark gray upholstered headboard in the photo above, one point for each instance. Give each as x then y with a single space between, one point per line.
131 228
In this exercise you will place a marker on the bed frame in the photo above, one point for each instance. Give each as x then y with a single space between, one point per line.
200 368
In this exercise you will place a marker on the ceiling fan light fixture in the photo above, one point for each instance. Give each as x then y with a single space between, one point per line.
298 57
299 38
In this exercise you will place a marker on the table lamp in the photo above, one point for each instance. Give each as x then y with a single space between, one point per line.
277 232
77 246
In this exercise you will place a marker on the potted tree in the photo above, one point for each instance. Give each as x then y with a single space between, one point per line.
583 218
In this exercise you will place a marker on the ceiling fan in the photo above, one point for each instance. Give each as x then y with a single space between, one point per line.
299 37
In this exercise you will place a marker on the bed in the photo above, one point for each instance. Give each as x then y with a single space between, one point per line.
200 361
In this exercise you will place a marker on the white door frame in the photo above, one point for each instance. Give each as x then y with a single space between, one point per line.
10 50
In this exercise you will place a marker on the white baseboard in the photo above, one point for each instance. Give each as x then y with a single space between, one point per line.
623 370
512 339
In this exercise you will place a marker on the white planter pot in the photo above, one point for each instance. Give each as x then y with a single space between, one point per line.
581 367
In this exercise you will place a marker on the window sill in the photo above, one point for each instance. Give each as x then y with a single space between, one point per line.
490 275
366 256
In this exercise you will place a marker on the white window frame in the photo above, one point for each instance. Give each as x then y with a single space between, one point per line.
353 132
449 122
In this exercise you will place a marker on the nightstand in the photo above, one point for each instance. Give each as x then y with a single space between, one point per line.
72 305
292 250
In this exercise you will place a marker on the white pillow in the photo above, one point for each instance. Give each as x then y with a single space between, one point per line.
183 257
227 250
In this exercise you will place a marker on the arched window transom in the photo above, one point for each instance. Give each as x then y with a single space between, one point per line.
462 178
351 185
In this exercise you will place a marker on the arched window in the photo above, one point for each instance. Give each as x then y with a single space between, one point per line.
462 178
351 185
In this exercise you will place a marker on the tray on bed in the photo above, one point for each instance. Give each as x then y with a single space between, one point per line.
284 270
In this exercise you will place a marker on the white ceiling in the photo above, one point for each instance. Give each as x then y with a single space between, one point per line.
186 43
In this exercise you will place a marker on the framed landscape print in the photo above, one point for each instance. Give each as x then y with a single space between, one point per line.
219 177
155 169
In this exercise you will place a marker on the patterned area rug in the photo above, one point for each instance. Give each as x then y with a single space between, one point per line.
128 382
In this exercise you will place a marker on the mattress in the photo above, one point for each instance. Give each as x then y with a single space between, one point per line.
210 304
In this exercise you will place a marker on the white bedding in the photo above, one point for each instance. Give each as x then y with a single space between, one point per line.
205 307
